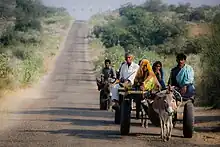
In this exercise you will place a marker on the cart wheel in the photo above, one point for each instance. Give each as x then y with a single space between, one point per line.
103 104
188 120
125 118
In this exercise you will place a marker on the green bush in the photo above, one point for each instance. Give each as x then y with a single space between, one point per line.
211 62
27 41
5 70
137 28
26 24
32 67
7 37
30 36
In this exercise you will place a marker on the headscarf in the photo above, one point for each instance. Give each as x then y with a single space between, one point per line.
146 62
142 75
140 72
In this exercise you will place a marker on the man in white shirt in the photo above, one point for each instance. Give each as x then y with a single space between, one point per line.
127 75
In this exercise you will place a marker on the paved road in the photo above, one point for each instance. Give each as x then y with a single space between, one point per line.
65 111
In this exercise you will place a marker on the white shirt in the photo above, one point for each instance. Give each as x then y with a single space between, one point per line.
129 72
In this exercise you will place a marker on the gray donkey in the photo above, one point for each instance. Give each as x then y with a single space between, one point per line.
164 105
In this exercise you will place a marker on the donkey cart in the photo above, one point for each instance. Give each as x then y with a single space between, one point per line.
104 86
184 111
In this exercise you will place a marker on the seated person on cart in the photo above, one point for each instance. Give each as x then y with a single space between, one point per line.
145 78
182 77
158 71
127 74
108 72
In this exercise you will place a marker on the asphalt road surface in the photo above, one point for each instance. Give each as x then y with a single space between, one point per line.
64 111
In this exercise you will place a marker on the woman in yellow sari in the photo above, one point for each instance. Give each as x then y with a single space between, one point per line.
145 77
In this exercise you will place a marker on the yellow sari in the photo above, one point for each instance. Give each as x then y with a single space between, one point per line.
148 78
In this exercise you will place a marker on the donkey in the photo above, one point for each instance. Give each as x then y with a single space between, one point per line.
104 86
164 105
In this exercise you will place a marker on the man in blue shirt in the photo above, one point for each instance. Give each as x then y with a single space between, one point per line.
182 77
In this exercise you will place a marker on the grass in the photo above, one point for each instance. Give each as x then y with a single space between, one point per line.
23 64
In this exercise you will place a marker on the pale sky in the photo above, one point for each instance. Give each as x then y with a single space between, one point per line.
84 9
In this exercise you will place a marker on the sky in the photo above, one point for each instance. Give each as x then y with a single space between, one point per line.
84 9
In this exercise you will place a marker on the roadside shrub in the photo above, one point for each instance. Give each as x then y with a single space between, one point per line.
26 24
5 71
7 36
32 67
31 36
211 62
28 40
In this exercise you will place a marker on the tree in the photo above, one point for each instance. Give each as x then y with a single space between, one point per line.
137 28
211 59
7 8
183 8
154 6
135 15
125 8
197 15
27 14
97 30
172 7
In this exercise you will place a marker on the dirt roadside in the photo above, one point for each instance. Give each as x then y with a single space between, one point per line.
13 100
